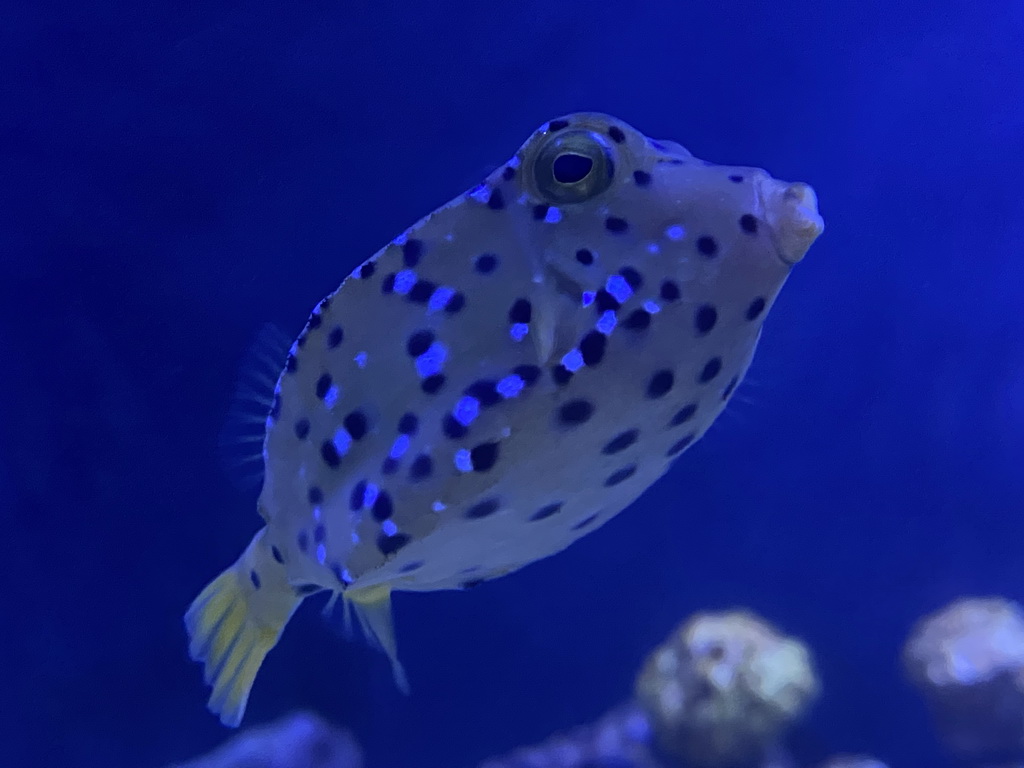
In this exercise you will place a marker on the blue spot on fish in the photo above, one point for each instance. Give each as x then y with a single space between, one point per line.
652 307
553 216
389 528
404 281
588 298
439 506
342 441
617 286
463 463
573 360
331 397
321 553
432 361
466 410
439 299
360 359
510 386
399 447
607 322
653 248
370 494
518 331
675 232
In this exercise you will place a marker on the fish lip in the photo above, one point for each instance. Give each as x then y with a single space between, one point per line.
791 211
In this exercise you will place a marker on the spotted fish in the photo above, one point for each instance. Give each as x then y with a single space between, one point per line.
501 379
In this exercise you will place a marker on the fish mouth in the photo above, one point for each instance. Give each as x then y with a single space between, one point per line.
791 210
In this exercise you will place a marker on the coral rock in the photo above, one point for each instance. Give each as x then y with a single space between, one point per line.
724 687
968 662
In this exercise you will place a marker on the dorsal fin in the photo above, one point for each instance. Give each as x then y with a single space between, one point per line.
241 438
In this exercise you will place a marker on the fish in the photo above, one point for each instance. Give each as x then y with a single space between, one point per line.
501 379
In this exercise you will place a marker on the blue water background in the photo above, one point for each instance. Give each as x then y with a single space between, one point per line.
174 175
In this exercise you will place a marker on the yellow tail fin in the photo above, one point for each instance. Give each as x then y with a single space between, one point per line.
234 622
372 606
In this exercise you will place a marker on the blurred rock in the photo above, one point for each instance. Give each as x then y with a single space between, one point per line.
300 740
968 661
723 688
852 761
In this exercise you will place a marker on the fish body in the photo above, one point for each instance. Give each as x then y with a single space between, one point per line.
503 378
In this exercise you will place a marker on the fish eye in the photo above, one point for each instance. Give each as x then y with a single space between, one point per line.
573 167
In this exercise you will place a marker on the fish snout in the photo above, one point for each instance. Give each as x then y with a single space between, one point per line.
791 210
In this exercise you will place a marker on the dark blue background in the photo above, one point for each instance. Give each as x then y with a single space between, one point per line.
173 176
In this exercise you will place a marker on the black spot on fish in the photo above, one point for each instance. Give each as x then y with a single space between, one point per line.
389 466
683 415
660 384
419 342
704 319
670 291
382 507
357 425
335 337
710 370
540 211
616 225
584 257
561 374
275 407
707 246
415 565
471 583
592 347
679 446
748 223
584 522
291 364
483 457
632 277
484 390
509 173
730 387
641 178
455 304
319 533
307 589
453 430
620 442
736 179
357 496
521 311
485 263
575 412
496 200
388 545
302 429
756 308
432 384
366 270
484 508
408 424
412 251
276 554
638 320
605 302
255 579
421 468
620 475
528 373
388 285
617 135
302 541
546 511
315 495
421 292
557 125
323 386
329 453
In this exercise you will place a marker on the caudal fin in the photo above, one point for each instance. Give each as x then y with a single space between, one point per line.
232 625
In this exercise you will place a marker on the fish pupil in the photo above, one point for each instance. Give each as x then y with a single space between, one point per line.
570 168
